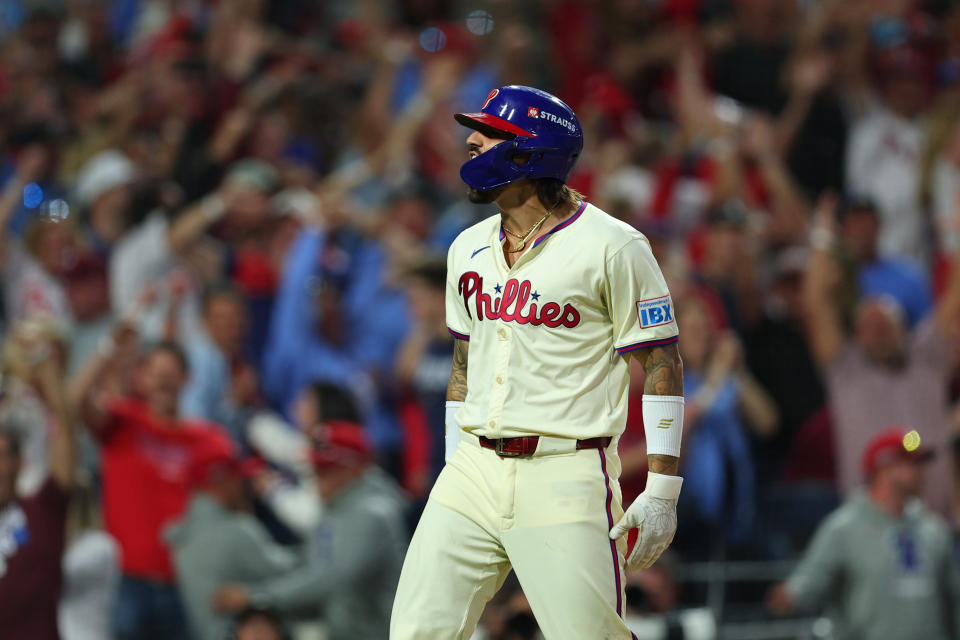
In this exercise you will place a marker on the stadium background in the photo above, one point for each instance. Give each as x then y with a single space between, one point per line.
296 161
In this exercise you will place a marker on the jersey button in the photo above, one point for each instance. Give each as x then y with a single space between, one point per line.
499 380
493 423
503 333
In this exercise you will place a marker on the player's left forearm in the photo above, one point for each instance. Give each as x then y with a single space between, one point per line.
664 370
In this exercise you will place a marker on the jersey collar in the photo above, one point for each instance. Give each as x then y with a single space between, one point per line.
563 225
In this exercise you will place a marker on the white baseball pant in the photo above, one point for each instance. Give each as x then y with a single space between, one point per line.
547 516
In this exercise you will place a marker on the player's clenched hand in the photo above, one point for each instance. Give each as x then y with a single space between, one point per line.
654 512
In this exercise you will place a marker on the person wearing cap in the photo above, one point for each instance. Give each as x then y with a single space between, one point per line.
291 495
883 370
103 190
354 555
219 540
882 560
548 300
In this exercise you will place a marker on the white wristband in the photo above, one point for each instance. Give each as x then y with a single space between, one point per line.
663 424
663 486
451 429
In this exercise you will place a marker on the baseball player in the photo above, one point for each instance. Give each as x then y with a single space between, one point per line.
548 301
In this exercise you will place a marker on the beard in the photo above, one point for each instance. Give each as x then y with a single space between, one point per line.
484 197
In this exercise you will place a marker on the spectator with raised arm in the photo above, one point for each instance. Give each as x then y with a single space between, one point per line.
879 274
223 385
154 253
33 265
724 404
310 332
882 371
33 527
24 404
883 154
147 450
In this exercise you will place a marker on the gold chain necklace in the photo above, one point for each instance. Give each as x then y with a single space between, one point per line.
523 238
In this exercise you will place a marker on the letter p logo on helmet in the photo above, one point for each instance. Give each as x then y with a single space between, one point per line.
490 96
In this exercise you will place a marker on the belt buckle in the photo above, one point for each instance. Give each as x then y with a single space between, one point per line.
506 454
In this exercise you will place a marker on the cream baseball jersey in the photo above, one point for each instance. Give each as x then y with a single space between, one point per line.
547 336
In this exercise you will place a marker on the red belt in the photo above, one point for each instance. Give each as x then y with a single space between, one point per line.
527 445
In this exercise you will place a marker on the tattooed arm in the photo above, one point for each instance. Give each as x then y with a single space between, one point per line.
654 512
457 387
664 371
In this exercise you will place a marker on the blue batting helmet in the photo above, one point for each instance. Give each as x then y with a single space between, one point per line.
535 123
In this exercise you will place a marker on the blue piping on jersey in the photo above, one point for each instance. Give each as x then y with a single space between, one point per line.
658 342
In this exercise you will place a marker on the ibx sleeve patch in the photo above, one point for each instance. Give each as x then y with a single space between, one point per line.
654 312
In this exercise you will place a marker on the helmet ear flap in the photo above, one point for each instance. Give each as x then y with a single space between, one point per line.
494 168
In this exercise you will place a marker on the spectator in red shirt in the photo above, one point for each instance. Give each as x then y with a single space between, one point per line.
147 452
32 528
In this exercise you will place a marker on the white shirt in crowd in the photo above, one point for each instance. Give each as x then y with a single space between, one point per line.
29 290
883 160
90 574
140 260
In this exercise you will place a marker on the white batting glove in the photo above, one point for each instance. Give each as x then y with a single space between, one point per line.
654 512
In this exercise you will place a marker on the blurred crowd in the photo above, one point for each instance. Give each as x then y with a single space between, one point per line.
223 230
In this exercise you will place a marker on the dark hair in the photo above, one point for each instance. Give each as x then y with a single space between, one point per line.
174 349
221 289
334 403
856 204
432 270
12 438
553 192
